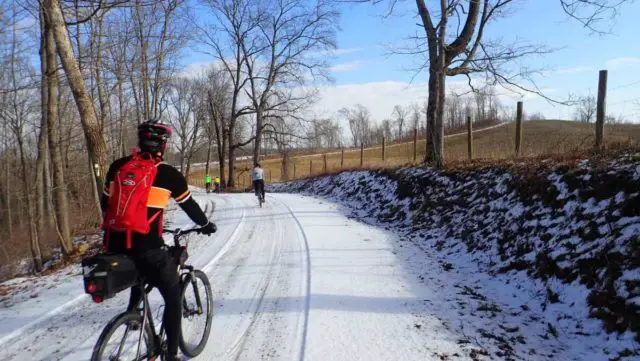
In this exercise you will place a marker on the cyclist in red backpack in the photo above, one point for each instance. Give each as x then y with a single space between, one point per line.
137 190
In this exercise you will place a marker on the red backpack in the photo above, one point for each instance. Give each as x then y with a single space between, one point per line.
129 192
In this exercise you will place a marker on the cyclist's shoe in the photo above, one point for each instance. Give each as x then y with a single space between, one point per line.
175 358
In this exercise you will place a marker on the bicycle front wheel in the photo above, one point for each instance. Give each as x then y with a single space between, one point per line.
119 340
197 311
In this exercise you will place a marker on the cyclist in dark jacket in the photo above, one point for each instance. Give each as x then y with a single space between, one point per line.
146 250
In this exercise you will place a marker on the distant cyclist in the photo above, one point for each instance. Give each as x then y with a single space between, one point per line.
207 182
216 184
257 176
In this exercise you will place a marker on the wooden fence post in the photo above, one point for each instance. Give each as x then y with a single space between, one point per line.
324 160
310 167
342 158
601 107
283 168
383 145
519 129
294 170
415 144
361 154
470 137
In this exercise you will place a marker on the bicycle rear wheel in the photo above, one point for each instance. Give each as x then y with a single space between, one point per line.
197 311
119 340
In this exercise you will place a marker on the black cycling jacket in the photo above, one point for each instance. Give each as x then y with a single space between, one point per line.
169 183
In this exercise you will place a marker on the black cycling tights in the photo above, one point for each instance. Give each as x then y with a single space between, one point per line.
161 272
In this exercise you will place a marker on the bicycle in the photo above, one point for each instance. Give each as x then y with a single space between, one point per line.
260 199
141 320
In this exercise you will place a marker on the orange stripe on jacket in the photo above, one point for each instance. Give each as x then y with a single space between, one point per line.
158 197
182 196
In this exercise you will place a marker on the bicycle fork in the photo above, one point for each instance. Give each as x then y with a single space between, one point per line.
185 309
144 324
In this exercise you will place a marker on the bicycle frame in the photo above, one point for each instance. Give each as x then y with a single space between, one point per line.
146 314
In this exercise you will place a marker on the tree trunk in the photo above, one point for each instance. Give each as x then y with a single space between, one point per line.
88 117
102 97
437 67
206 166
221 138
7 174
96 192
121 101
432 105
438 141
441 67
33 232
232 151
42 182
60 195
258 141
144 63
136 97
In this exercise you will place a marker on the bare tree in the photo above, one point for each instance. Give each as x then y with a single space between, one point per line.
288 33
61 205
536 116
323 133
399 114
159 33
359 119
387 129
185 117
43 174
234 21
219 99
591 12
454 43
468 53
586 109
418 112
91 127
16 107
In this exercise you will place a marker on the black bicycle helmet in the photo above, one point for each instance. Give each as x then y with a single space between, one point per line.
153 136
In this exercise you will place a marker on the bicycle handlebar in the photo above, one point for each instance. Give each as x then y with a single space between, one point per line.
177 233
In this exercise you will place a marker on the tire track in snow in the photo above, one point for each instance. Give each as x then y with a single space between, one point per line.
236 346
307 298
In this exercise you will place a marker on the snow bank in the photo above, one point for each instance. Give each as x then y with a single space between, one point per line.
567 235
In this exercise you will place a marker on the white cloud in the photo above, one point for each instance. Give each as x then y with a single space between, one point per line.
621 62
343 51
574 70
196 69
343 67
379 97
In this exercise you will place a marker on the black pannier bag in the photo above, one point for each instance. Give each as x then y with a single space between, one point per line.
107 274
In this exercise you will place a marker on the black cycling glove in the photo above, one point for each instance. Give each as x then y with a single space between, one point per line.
208 229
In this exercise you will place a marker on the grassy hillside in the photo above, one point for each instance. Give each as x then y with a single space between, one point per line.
539 138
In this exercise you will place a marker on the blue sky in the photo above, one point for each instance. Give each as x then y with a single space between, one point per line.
365 73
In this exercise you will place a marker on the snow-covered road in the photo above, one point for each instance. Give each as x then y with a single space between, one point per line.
294 280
